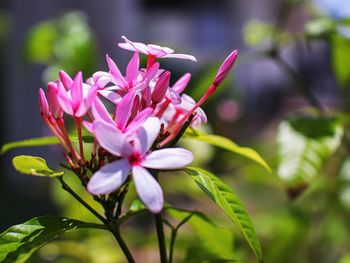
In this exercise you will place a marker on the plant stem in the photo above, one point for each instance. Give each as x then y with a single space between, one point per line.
80 138
110 224
174 231
116 233
161 237
67 188
299 83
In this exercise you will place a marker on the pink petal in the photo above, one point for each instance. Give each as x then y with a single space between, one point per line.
110 138
109 178
152 71
66 80
225 68
124 110
132 69
88 126
114 70
174 97
77 90
161 87
112 96
147 134
139 120
181 84
100 112
170 158
181 56
63 99
86 103
148 189
137 46
146 97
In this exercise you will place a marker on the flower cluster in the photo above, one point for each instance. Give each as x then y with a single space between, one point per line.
135 119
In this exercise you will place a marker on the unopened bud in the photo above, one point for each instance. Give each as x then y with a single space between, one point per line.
225 68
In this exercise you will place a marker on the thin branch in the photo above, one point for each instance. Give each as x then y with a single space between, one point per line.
67 188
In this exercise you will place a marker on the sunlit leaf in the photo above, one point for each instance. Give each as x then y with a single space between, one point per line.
304 143
135 208
258 32
29 143
320 27
42 141
227 200
34 166
340 59
229 145
18 242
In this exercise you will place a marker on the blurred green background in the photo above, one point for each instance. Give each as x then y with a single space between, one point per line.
293 58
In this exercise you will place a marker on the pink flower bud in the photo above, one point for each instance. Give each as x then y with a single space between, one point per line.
225 68
52 94
66 80
43 105
161 87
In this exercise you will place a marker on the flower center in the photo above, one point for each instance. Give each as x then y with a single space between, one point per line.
135 159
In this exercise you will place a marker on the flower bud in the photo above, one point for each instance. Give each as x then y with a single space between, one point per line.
52 94
225 68
43 105
161 87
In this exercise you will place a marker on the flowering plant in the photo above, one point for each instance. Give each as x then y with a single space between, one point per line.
132 123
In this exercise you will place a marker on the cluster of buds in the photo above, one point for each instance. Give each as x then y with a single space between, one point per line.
134 119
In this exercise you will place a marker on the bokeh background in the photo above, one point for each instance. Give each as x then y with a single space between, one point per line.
292 53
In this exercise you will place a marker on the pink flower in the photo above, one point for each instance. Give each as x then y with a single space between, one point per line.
74 96
153 50
135 157
125 121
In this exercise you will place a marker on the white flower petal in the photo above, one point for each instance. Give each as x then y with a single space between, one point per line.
147 134
148 189
111 138
109 178
170 158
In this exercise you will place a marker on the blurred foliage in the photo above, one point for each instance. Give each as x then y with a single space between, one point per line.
64 43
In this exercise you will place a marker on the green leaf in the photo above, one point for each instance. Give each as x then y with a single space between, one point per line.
340 59
34 166
320 27
227 200
18 242
135 208
87 138
257 32
29 143
304 144
227 144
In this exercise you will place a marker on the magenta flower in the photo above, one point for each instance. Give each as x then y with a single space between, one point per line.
135 157
124 113
74 96
152 50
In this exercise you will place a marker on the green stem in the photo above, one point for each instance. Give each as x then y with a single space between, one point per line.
174 235
116 233
67 188
299 83
80 138
161 237
109 223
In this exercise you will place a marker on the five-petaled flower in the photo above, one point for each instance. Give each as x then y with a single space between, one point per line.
135 156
